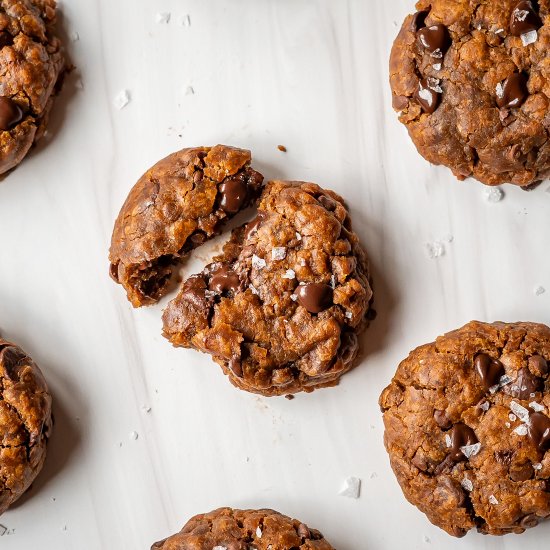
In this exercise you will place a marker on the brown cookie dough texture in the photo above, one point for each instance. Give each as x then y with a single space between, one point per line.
227 529
281 309
471 82
176 206
467 428
25 422
32 65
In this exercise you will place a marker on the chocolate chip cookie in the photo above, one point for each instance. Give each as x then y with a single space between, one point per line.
467 421
227 529
281 309
25 422
32 65
176 206
470 81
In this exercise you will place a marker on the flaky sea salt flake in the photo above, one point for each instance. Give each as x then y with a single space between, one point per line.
529 37
298 236
467 484
471 450
448 441
492 499
537 407
435 250
521 430
257 262
512 417
504 380
163 18
485 406
290 274
259 532
278 253
521 412
495 194
122 99
351 488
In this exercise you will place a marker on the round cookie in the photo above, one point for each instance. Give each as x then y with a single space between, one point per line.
471 84
25 422
175 207
467 424
281 309
32 65
228 529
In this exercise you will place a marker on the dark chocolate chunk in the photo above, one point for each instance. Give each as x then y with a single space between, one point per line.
236 367
435 39
512 92
538 365
10 113
524 19
488 369
253 226
525 384
539 431
428 95
234 193
224 279
315 297
461 436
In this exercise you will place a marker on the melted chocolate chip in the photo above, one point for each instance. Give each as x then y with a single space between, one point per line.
524 385
427 97
538 365
524 19
442 420
435 39
236 367
315 297
194 291
531 520
512 92
113 272
488 369
461 436
224 279
253 226
522 472
539 431
10 113
234 193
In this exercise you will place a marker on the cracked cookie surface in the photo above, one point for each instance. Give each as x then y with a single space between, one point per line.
467 428
31 67
25 422
281 309
470 80
175 207
228 529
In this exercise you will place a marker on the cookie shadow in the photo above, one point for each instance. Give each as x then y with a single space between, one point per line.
62 445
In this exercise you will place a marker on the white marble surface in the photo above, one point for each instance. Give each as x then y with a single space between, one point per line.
309 74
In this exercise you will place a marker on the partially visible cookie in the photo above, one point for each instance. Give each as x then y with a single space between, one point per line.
32 64
25 422
471 84
228 529
176 206
467 421
281 309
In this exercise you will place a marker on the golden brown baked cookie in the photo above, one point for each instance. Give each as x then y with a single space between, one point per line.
25 422
228 529
467 428
32 65
281 309
470 81
176 206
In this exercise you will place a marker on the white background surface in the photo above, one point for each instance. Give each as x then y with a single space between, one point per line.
309 74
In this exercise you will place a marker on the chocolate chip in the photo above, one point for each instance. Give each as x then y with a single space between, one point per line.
428 97
315 297
435 39
328 202
488 369
113 272
524 19
512 92
522 472
538 365
236 367
234 193
524 385
253 226
461 436
10 113
224 279
194 291
12 359
303 531
531 520
442 420
539 431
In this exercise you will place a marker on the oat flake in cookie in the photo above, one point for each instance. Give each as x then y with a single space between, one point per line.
281 309
467 428
228 529
25 422
470 81
32 65
175 207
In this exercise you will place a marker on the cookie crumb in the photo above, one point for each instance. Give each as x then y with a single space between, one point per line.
122 99
133 436
290 397
190 90
185 21
351 488
539 291
163 18
494 195
282 148
75 37
427 539
435 250
146 409
3 530
537 466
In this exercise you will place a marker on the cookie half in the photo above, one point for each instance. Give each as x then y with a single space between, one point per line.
281 309
176 206
467 428
471 84
228 529
32 65
25 422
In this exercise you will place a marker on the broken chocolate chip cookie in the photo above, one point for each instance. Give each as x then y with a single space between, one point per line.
25 422
228 529
176 206
281 309
467 428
